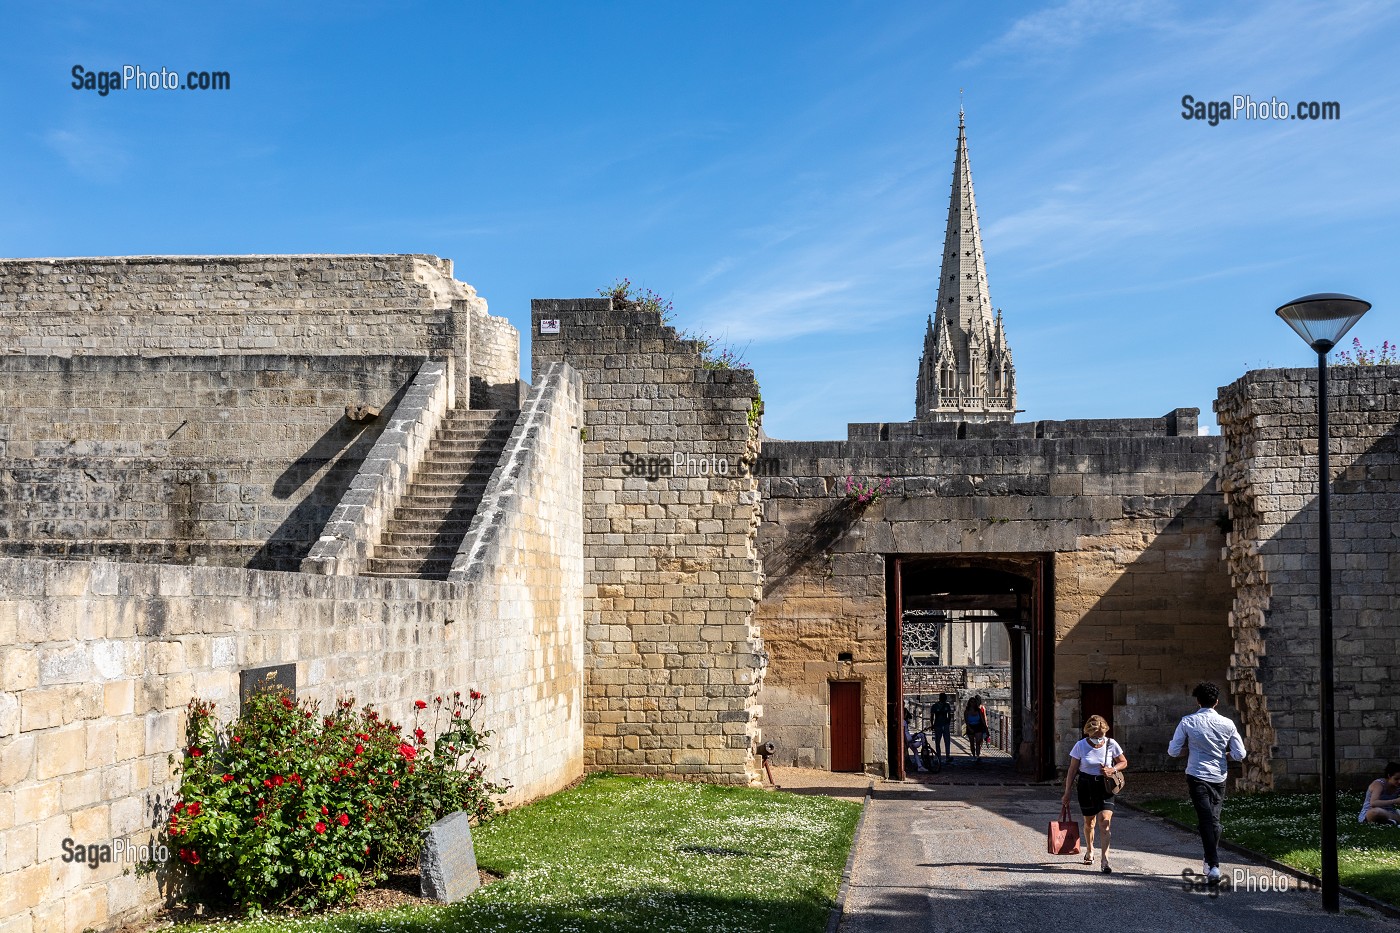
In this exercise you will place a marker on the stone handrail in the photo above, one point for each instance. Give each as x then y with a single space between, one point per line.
358 522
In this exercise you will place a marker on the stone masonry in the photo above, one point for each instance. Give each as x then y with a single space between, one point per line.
230 460
1269 422
1126 512
672 574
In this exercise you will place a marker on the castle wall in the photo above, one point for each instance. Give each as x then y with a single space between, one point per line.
232 460
1129 524
671 570
98 661
1269 421
180 305
495 364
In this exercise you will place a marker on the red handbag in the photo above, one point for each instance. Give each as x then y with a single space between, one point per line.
1063 837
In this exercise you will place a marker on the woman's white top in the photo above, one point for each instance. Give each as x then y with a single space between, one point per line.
1091 760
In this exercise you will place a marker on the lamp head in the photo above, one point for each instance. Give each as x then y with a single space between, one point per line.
1322 320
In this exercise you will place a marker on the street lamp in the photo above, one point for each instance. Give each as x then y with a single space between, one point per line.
1322 320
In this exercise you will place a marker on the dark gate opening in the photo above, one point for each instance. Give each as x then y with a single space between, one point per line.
974 625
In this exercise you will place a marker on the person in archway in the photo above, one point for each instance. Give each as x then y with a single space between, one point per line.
975 723
1091 758
1210 737
943 726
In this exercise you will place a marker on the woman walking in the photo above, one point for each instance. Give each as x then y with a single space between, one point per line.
1091 758
975 720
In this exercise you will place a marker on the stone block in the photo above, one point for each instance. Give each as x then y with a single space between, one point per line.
447 866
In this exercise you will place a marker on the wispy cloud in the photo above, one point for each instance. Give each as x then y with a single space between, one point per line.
1065 26
92 154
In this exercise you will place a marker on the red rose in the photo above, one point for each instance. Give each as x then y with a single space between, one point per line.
359 749
178 807
419 704
286 703
319 827
193 809
277 780
343 819
227 778
324 811
338 877
195 752
396 784
408 751
477 695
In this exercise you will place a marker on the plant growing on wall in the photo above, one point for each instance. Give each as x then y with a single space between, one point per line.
289 807
864 491
1388 354
713 354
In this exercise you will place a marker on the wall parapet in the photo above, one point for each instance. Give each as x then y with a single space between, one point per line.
358 522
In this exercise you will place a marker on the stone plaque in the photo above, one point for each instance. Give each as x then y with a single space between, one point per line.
447 867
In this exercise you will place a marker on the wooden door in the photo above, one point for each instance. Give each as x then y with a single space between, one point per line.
845 726
1096 700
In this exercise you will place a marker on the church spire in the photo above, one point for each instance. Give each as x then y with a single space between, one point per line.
966 372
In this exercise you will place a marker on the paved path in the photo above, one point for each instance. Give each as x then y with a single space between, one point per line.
971 859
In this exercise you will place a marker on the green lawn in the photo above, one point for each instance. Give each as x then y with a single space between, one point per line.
1286 828
625 854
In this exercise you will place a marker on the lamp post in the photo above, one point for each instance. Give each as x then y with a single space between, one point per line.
1322 320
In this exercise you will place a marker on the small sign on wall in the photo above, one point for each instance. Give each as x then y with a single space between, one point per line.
264 678
549 325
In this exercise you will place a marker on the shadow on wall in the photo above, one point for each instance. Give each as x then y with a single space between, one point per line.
799 550
338 452
1365 566
1160 627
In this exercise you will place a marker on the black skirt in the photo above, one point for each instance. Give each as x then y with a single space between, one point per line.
1094 796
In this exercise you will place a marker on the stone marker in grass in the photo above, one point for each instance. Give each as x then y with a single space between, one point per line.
447 866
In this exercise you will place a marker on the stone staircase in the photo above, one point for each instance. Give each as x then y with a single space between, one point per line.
434 514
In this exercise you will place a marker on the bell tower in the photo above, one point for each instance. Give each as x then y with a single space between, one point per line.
965 373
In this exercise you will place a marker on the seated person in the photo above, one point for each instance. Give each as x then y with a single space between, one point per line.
916 745
1382 798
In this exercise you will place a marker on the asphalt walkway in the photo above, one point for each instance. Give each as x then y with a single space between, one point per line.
969 859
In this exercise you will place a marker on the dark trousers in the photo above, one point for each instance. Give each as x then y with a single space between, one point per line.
943 734
1207 798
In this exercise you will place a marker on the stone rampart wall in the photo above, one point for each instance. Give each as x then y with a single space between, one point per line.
672 573
495 362
1129 524
230 460
98 661
153 305
1269 421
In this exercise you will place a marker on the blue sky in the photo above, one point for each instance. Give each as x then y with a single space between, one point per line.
781 171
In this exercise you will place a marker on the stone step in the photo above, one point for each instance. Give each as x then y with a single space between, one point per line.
434 551
423 569
427 538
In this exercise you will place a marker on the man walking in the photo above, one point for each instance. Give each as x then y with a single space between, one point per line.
943 726
1210 737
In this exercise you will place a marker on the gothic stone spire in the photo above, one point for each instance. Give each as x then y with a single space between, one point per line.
965 373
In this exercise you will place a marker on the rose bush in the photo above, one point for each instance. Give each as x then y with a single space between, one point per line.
291 807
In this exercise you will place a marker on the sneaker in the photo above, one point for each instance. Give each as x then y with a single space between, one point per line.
1213 875
1205 868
